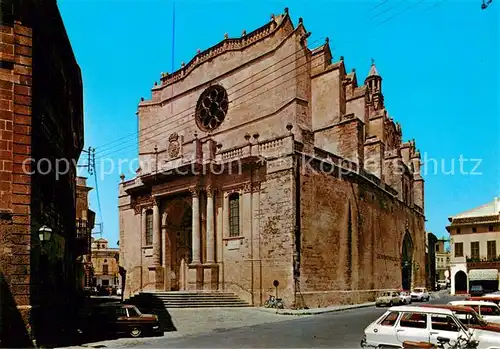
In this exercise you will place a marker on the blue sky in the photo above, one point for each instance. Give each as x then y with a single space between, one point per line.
439 61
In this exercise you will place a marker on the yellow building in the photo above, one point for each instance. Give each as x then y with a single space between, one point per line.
105 263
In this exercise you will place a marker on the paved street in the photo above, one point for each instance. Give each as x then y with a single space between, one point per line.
256 328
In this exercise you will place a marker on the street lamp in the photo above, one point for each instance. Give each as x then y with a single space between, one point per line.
44 233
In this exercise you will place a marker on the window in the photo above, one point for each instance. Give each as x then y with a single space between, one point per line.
149 228
490 310
474 249
492 249
234 215
490 228
474 230
105 269
121 312
132 312
437 248
390 319
413 320
458 230
459 249
443 323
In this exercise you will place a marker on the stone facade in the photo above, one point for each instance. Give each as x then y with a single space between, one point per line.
41 117
105 264
263 160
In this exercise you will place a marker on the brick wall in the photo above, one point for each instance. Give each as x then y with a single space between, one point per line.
15 147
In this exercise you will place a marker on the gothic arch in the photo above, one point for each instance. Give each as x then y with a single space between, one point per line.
406 261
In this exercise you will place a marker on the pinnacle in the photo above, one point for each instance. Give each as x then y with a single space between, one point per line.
373 70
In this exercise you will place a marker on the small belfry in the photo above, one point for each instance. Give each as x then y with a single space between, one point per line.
374 83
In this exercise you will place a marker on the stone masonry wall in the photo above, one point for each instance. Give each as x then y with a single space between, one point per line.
267 248
15 147
352 235
263 82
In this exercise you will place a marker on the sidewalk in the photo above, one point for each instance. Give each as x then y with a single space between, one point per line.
317 311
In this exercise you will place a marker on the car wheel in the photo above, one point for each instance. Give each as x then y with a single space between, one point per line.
136 332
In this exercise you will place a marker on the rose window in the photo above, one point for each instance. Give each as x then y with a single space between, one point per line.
212 108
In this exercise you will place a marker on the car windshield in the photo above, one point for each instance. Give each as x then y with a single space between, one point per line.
418 290
469 318
403 293
386 294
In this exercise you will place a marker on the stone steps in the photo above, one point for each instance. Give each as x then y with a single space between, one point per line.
163 300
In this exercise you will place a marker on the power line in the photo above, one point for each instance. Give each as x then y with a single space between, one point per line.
96 186
399 13
245 101
190 108
158 130
436 4
384 11
379 4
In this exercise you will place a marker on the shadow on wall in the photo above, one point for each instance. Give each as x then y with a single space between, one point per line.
13 333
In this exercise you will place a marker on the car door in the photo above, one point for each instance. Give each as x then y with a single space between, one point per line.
445 326
412 326
386 329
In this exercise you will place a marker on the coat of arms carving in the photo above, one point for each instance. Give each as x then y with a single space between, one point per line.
174 146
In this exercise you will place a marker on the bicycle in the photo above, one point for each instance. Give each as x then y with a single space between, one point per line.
274 302
460 343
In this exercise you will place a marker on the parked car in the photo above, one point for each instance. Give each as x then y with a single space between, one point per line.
476 290
488 310
117 318
405 297
442 284
389 298
423 324
468 316
488 298
420 294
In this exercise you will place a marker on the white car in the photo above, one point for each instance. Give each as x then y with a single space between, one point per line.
405 297
423 324
488 310
420 294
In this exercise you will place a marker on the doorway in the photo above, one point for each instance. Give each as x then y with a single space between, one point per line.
178 248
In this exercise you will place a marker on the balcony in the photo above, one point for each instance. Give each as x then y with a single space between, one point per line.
484 263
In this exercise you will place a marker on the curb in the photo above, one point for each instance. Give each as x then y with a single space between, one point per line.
318 311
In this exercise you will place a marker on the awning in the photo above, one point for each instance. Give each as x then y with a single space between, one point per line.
483 274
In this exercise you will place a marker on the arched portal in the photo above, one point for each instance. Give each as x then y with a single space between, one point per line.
460 282
178 225
406 262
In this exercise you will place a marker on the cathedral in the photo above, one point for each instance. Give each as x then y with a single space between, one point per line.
264 163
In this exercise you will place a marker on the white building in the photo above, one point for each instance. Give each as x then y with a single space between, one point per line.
475 235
